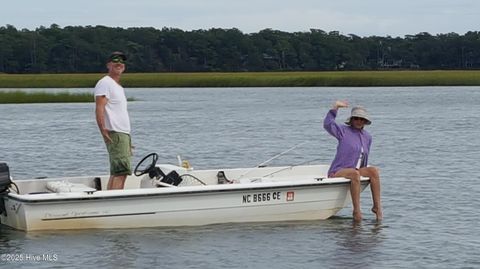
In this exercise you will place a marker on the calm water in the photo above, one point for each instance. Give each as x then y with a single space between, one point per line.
426 142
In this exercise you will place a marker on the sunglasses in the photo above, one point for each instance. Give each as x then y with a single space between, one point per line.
117 60
358 118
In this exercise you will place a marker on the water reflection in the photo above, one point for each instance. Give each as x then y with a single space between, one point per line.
363 236
360 240
11 241
121 249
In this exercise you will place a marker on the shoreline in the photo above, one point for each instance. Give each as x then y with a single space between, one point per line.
251 79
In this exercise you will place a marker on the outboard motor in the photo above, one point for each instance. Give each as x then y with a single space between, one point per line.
5 180
5 183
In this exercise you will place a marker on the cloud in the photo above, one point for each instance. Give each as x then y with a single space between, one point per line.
364 18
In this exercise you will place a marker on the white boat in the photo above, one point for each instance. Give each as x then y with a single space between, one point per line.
182 197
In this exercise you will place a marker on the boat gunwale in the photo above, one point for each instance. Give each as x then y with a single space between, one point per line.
171 191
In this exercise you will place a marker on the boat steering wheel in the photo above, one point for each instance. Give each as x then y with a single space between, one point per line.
138 169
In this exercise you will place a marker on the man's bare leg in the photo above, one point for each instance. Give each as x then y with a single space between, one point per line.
116 182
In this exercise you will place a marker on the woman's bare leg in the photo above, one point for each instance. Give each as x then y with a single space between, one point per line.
374 175
355 190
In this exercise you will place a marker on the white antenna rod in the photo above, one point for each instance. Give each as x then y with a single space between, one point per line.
273 158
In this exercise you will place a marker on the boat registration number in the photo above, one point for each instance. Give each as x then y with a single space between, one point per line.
262 197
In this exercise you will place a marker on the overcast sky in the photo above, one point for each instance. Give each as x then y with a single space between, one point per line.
359 17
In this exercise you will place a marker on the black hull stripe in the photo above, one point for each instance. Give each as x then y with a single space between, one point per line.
100 216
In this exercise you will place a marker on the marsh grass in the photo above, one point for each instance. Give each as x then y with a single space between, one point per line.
19 97
252 79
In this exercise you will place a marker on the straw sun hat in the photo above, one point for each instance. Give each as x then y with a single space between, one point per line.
359 112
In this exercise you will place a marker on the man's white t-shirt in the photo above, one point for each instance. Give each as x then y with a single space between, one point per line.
116 114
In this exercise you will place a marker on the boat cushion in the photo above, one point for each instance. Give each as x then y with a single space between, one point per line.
65 186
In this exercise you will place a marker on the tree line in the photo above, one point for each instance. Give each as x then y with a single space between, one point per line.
84 49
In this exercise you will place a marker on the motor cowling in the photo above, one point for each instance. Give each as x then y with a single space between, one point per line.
5 180
5 183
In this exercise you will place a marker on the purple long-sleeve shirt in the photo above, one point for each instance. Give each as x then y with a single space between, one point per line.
350 143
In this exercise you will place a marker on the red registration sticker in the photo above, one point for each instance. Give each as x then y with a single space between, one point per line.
290 196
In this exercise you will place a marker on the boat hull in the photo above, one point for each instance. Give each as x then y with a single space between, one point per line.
187 206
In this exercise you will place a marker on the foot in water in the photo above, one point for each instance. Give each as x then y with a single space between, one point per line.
377 212
357 216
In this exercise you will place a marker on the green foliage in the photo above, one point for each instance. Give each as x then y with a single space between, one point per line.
77 49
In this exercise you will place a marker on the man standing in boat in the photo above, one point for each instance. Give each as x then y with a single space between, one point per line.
113 120
352 155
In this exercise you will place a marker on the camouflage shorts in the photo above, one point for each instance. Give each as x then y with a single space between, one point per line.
120 154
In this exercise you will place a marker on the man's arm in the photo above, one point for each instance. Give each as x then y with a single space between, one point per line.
100 103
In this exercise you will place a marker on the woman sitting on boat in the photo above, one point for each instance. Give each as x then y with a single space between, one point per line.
352 155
